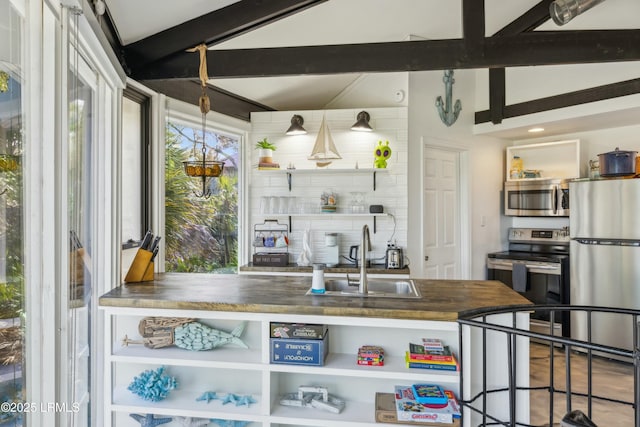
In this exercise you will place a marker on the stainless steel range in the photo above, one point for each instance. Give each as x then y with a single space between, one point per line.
537 266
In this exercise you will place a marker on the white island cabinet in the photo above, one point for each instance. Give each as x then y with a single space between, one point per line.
223 303
231 369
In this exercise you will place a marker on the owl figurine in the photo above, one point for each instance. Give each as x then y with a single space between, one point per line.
381 154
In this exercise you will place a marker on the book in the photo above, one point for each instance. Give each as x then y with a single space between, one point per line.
268 166
409 409
408 358
371 355
432 366
418 352
424 364
371 362
429 394
432 344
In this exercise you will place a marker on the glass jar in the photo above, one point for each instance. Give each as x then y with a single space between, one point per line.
517 165
357 202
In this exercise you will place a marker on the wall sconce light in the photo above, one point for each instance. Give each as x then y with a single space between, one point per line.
362 123
296 126
563 11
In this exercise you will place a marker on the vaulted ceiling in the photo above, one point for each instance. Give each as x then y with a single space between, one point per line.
259 50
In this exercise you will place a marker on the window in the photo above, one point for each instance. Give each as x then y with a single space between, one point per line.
11 213
201 233
82 83
136 142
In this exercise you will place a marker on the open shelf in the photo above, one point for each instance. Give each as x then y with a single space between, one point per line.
327 171
249 371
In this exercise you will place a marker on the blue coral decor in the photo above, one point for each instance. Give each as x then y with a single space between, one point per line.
153 385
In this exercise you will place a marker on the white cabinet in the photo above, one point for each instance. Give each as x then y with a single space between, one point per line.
230 369
558 159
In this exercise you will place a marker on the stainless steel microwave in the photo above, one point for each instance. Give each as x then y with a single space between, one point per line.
549 197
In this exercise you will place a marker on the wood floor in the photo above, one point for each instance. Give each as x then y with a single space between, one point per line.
611 379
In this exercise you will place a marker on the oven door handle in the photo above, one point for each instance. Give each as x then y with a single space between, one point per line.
499 264
528 266
542 267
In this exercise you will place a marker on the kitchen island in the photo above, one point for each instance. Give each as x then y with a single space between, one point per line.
225 301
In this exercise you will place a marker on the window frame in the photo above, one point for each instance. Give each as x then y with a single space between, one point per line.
143 99
189 115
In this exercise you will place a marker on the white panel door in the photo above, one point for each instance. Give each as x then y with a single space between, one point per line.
441 219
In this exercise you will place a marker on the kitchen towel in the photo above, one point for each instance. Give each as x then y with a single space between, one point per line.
306 256
519 277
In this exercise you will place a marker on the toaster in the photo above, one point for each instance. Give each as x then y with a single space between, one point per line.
393 258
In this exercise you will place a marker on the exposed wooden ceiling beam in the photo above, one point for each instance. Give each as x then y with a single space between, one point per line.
473 30
599 93
497 94
221 101
534 48
527 22
212 28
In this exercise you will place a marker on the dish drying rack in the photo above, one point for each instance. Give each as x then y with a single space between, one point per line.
270 243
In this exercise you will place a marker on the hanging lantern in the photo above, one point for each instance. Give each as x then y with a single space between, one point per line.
203 169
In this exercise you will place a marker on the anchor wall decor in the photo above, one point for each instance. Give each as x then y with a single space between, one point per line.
447 115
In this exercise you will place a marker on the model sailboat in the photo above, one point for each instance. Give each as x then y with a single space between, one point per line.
324 151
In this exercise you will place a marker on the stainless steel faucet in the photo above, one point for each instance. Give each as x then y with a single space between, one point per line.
365 246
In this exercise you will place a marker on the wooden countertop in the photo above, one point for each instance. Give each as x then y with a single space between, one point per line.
441 299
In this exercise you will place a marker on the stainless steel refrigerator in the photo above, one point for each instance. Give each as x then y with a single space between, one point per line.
605 256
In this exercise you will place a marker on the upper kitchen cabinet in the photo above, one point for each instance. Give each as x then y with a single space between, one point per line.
558 159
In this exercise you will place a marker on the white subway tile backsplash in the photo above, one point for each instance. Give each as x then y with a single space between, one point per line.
306 187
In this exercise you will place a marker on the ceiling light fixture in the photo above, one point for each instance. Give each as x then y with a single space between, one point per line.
534 130
296 126
362 123
202 168
563 11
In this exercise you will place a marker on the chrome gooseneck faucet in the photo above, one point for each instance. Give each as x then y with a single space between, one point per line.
365 246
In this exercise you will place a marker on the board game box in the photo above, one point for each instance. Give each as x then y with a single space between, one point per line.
307 331
409 409
386 413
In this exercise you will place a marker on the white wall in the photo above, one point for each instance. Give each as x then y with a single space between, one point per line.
389 124
484 177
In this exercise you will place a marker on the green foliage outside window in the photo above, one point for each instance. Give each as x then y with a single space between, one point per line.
201 234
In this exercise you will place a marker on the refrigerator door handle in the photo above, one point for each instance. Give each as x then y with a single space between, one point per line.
608 242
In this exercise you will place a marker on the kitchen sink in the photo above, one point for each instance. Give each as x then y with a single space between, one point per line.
378 288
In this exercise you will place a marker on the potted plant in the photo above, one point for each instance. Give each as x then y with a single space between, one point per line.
265 151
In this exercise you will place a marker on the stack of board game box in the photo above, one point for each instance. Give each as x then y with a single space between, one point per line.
298 343
431 354
371 355
409 405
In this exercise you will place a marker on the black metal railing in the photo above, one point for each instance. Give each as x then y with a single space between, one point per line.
515 339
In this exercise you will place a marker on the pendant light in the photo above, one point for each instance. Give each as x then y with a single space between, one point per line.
203 169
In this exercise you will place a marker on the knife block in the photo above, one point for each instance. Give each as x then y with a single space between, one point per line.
141 269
